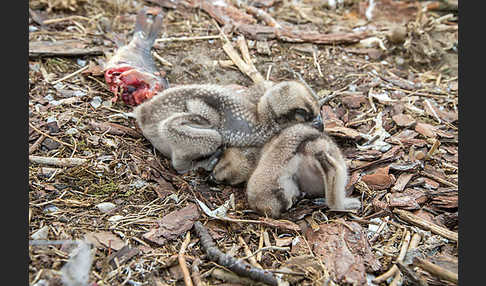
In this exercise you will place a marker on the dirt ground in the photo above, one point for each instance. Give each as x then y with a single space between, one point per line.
392 108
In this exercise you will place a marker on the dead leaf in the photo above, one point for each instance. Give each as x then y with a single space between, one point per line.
403 120
105 239
345 251
173 224
380 179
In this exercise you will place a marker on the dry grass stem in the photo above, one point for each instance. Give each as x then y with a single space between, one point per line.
59 162
182 260
415 220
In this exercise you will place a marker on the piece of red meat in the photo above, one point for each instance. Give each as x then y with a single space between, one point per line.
131 73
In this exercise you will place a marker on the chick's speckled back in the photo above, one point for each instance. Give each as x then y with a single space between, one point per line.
238 122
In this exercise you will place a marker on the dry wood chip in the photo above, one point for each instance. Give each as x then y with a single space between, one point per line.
93 69
283 224
365 155
380 205
346 253
284 241
446 202
426 130
344 132
302 263
354 100
449 220
122 255
430 184
105 239
115 129
329 117
402 181
451 158
431 131
380 179
425 215
173 224
403 120
445 115
410 199
353 179
163 188
405 134
61 48
408 166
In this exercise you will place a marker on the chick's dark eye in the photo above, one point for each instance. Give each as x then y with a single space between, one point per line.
301 115
301 112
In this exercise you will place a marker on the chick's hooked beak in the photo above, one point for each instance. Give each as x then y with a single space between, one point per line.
317 123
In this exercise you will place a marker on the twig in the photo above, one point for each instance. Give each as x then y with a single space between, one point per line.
414 277
418 221
195 38
266 248
182 260
248 253
239 267
161 59
52 137
436 270
260 245
37 143
196 275
71 74
69 18
264 16
114 129
254 74
378 231
438 179
394 269
230 277
60 162
373 163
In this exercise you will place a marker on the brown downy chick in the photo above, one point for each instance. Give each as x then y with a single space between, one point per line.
300 161
131 73
235 165
193 124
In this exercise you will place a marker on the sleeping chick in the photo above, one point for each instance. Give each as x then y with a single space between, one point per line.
193 124
299 162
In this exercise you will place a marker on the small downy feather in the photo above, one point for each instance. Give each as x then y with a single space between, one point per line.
76 271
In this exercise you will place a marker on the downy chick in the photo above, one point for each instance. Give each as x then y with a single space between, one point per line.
235 165
299 162
193 124
131 73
